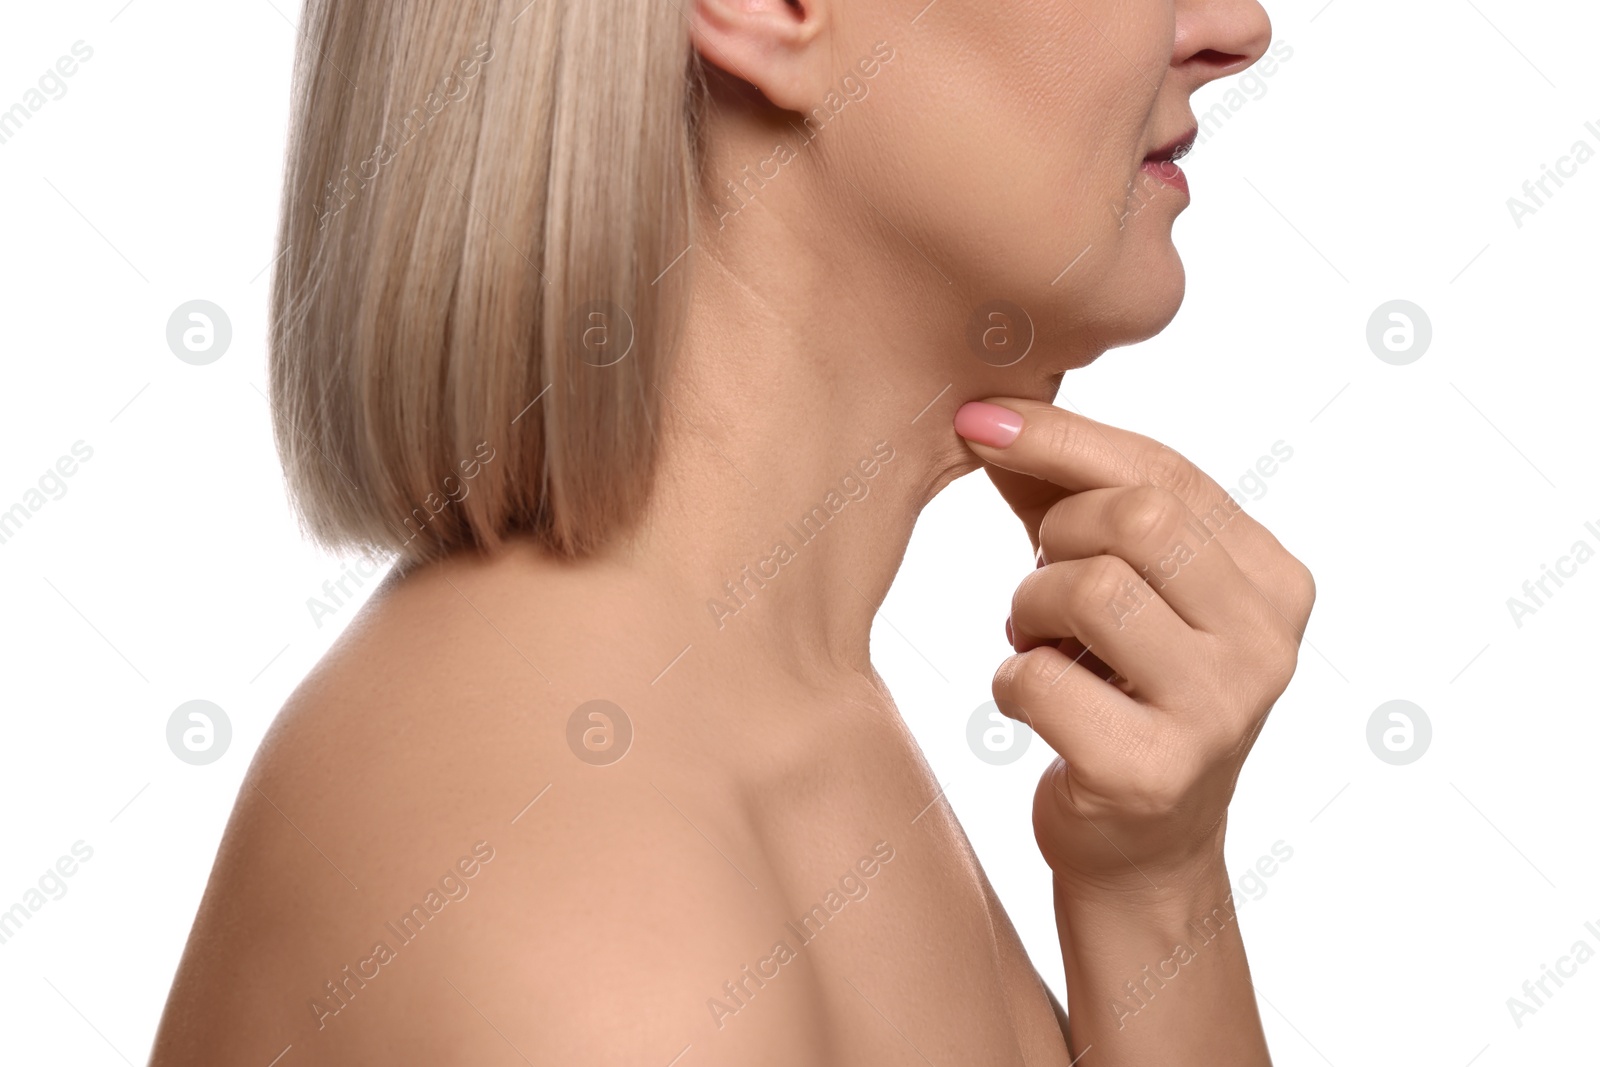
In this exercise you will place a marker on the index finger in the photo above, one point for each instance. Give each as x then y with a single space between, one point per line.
1075 453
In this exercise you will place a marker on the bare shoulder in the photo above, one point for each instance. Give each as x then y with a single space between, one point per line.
428 862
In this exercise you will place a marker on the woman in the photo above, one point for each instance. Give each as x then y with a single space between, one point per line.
641 332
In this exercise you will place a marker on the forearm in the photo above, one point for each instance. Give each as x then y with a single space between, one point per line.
1159 975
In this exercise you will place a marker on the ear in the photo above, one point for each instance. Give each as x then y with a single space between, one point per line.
771 44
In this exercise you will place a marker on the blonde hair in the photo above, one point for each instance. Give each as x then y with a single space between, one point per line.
482 202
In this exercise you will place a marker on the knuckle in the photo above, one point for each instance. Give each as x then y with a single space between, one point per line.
1303 586
1032 599
1223 511
1047 525
1279 657
1147 520
1025 592
1170 470
1292 581
1101 580
1022 682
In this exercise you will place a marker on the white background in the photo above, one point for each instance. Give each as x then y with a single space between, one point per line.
1376 165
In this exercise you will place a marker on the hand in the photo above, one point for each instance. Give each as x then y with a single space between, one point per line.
1160 627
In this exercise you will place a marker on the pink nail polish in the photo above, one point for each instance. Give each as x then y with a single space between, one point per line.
988 424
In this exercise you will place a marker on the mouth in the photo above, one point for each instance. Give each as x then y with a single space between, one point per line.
1162 163
1176 148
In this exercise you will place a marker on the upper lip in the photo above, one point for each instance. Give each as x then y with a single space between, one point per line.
1175 149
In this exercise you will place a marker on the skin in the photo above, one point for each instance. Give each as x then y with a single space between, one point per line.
768 764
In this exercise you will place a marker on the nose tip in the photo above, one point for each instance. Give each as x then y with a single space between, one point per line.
1224 37
1257 31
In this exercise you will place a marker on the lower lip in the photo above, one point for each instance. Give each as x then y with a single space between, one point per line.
1168 174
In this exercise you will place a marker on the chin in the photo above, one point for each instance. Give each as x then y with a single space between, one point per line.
1154 303
1131 302
1157 294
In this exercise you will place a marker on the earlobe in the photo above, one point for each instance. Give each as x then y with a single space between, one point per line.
771 44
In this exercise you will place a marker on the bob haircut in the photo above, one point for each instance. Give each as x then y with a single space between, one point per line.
475 301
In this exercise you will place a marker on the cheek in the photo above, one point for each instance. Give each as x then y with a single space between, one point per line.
1001 144
1032 163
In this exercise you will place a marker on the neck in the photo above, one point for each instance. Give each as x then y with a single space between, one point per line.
805 423
803 432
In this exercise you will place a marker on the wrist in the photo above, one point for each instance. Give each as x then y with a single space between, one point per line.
1142 961
1173 891
1197 874
1185 910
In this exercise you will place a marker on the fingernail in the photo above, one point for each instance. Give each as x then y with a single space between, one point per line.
1038 559
988 424
1012 641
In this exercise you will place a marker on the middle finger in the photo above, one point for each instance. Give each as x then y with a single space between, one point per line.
1179 555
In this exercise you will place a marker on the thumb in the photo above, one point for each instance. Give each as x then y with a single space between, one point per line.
1028 496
